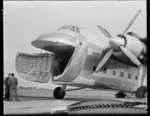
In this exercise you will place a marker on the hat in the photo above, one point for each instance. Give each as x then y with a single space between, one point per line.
12 74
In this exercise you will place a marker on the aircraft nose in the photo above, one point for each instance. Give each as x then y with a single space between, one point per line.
53 39
115 43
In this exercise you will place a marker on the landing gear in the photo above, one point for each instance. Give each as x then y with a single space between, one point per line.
141 92
120 94
58 93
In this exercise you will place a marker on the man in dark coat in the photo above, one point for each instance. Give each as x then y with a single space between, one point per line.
7 88
13 82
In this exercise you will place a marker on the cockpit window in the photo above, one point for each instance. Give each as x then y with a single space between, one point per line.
77 29
64 27
71 28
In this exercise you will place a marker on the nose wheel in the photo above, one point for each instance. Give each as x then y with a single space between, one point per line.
58 93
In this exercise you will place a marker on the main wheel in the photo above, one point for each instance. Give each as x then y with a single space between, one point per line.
141 92
58 93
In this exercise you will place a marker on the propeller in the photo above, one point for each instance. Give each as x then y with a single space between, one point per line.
116 43
104 60
131 22
104 32
130 55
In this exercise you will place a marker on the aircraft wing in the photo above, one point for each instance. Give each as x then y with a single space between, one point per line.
34 67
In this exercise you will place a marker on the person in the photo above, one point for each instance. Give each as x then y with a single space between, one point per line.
13 82
7 88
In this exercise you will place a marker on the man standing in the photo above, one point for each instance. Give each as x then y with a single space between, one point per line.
13 82
7 88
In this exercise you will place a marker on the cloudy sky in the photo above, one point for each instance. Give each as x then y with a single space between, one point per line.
24 21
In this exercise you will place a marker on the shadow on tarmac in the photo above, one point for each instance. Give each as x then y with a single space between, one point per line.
68 98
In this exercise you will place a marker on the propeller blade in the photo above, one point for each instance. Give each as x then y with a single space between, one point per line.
104 31
130 55
104 60
131 22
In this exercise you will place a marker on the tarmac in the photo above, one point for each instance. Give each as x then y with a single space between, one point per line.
42 101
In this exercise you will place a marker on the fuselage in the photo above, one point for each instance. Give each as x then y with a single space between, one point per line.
78 59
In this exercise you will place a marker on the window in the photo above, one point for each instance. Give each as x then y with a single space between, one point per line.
105 70
67 27
77 30
136 77
114 72
121 74
73 28
64 27
94 68
129 76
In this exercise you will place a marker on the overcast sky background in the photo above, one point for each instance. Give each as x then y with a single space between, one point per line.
24 21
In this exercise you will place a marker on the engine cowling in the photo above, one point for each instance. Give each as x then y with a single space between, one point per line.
136 46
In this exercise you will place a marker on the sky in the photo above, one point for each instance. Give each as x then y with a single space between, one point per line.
24 21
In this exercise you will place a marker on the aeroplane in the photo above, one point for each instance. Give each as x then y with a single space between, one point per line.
121 66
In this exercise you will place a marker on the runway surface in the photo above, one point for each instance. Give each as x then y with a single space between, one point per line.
42 101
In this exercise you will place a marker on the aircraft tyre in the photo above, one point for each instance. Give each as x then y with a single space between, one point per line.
58 93
141 92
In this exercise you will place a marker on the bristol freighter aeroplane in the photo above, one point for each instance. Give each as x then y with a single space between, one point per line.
71 60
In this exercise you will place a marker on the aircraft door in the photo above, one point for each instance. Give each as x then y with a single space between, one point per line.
36 67
77 61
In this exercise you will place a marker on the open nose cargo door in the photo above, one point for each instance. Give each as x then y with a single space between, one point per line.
77 61
36 67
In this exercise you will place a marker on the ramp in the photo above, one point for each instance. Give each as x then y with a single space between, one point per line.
34 67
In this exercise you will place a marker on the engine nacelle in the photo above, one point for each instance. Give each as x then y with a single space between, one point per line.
135 46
